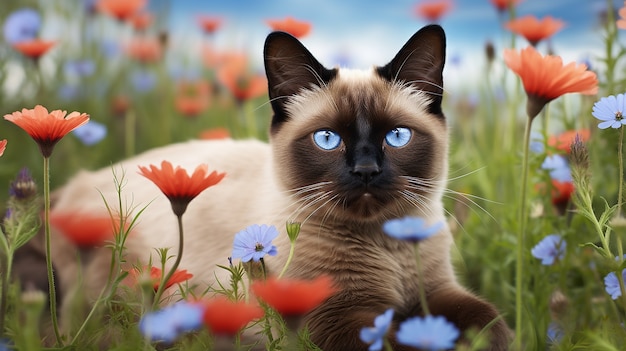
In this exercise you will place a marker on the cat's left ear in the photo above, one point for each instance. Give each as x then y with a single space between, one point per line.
420 64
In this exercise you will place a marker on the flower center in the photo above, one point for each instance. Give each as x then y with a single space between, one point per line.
618 116
258 247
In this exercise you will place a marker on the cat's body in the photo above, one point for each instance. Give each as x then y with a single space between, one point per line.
341 162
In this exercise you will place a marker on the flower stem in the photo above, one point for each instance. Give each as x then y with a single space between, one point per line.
4 283
179 257
51 290
521 238
621 174
292 249
129 132
420 277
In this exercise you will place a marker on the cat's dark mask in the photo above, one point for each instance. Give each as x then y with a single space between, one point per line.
361 141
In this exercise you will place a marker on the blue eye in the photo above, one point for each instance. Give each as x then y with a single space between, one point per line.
326 139
398 137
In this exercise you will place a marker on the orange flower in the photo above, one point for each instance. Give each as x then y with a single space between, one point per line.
291 25
546 78
3 146
141 21
178 186
291 297
120 9
209 24
621 22
242 85
433 10
47 128
503 5
145 50
34 48
192 97
179 276
533 29
225 317
215 133
84 229
563 141
561 193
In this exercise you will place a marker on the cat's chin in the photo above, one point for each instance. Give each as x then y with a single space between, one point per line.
366 206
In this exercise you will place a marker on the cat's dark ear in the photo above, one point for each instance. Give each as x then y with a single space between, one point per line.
420 64
290 68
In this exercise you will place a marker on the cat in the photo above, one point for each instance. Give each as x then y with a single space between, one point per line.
349 149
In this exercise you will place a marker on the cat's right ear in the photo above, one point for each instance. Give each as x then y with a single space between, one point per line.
290 68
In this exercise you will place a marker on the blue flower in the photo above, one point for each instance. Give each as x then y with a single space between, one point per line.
170 322
21 25
536 142
374 335
428 333
69 92
80 68
611 284
143 81
610 110
549 249
411 228
254 242
555 333
91 133
558 167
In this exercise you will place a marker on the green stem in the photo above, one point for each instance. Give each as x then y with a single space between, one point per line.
292 249
179 257
4 287
420 277
52 290
521 239
129 132
621 173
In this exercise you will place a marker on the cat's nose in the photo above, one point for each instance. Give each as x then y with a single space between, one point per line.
366 171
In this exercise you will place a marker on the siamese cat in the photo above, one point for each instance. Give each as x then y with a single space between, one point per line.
348 150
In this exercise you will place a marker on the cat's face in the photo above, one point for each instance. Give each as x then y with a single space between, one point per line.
364 146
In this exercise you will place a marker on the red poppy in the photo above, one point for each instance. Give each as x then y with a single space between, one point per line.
121 9
225 317
561 192
84 229
563 141
503 5
179 276
141 21
291 25
3 146
47 128
545 78
533 29
34 48
215 134
119 105
292 297
209 24
192 98
241 84
145 50
433 10
178 186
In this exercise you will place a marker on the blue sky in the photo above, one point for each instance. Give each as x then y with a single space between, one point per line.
364 33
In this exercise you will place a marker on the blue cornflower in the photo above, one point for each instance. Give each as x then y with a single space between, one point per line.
555 333
170 322
80 68
69 92
610 110
549 249
374 335
411 228
536 142
254 242
428 333
91 133
143 81
558 167
21 25
611 284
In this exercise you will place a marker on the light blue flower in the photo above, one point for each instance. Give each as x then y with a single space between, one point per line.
80 68
91 133
558 167
549 249
170 322
375 335
611 284
428 333
143 81
21 25
69 92
536 142
413 229
555 333
610 110
254 242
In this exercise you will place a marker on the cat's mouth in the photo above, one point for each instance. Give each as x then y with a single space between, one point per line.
366 203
